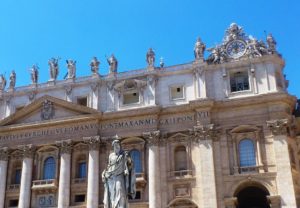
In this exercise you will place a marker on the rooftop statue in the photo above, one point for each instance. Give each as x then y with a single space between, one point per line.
217 56
95 65
118 178
71 65
12 80
199 49
34 74
256 48
2 82
53 63
161 62
271 44
234 32
150 57
113 64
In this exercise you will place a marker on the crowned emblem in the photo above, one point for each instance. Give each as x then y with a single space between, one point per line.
47 110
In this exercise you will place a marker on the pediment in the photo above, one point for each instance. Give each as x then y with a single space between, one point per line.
47 109
178 137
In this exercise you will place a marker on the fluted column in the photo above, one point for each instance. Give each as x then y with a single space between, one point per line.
153 168
65 173
93 172
3 173
26 177
284 176
204 136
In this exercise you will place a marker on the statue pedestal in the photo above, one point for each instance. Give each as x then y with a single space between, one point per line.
96 75
150 68
51 82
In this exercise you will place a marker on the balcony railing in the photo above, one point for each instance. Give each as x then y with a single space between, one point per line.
44 184
13 187
250 169
79 180
181 173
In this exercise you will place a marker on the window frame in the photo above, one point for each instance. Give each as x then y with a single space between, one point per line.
43 176
179 85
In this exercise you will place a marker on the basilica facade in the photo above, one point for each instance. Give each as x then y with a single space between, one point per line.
217 132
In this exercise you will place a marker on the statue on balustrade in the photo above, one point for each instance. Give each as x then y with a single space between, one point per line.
71 65
199 49
113 64
34 74
95 65
271 44
150 57
2 82
118 178
53 63
12 79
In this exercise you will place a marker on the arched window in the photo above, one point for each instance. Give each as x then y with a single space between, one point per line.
136 157
247 153
81 169
49 168
180 158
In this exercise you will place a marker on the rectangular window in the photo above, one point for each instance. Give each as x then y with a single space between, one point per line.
138 196
131 98
82 170
13 203
239 81
80 198
177 92
17 176
82 101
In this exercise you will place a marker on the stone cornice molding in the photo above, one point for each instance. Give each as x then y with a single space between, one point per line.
204 132
27 151
152 138
92 142
278 127
65 146
3 153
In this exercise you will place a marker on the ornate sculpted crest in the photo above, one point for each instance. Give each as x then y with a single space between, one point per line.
47 110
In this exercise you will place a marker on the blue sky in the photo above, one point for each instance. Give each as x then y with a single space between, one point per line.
33 31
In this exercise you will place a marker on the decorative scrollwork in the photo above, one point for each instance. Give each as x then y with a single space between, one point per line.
27 151
65 146
93 142
278 127
152 137
204 132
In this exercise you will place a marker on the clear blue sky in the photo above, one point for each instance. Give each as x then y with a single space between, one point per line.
33 31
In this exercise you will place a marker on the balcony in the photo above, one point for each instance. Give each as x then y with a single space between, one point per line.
181 174
44 184
250 169
140 180
13 188
79 181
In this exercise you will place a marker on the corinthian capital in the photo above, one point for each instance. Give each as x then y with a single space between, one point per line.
27 151
204 132
278 127
65 146
3 153
92 142
152 137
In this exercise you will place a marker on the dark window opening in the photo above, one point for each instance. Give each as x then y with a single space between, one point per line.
80 198
239 81
13 203
82 101
138 196
17 176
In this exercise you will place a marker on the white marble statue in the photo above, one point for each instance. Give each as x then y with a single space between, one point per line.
118 178
12 79
199 49
34 74
150 57
71 65
95 65
53 63
113 64
2 82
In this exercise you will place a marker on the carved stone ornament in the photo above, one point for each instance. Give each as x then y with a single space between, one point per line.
92 142
65 146
27 151
152 137
3 153
47 111
68 90
278 127
204 132
131 84
236 44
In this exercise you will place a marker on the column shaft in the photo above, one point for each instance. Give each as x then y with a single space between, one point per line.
64 181
25 188
93 179
154 193
3 173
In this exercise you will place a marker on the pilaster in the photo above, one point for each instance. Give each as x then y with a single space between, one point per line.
3 173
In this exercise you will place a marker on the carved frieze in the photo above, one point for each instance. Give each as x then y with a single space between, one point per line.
131 84
27 151
152 138
65 146
3 153
204 132
278 127
92 142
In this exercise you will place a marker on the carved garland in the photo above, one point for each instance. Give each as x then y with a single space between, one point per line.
278 127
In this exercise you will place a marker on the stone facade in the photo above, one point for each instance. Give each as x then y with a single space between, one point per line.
187 123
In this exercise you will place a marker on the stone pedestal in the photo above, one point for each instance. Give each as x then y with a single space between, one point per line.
93 172
26 177
3 173
65 174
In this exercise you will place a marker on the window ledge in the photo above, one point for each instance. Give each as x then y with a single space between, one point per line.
44 184
181 175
